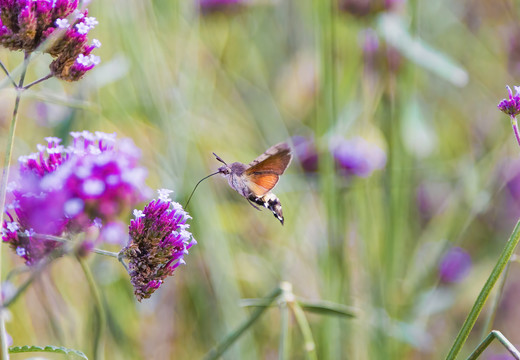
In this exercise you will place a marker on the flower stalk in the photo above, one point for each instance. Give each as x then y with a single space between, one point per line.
3 185
98 342
514 124
484 293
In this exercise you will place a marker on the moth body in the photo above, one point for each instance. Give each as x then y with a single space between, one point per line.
255 181
233 174
270 201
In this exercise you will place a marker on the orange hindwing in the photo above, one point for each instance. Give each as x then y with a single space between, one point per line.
263 172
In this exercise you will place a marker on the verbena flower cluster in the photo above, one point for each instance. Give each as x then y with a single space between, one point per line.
511 106
28 24
62 191
159 239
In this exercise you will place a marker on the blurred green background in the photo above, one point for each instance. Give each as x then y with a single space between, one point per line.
419 79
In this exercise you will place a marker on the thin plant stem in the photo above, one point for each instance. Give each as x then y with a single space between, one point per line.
484 293
490 319
35 272
3 189
7 73
492 336
283 351
99 330
514 124
301 319
230 339
286 297
46 77
64 240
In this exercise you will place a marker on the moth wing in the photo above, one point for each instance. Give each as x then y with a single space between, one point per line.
274 160
263 173
261 183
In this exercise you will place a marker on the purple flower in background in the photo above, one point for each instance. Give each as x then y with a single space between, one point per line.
306 153
27 24
501 357
511 106
210 6
358 157
159 240
369 42
454 265
362 8
62 191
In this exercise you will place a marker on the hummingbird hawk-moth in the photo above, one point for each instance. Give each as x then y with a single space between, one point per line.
256 180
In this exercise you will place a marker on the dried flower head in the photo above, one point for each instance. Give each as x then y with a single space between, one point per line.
511 106
63 191
28 24
159 239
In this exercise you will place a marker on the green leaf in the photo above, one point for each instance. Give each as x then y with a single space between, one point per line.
318 307
394 30
48 348
328 308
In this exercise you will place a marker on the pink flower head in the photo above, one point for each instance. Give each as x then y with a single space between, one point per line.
159 240
65 190
29 24
511 106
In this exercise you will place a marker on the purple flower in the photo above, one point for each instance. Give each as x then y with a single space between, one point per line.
27 24
501 357
102 178
63 191
454 265
362 8
306 153
369 42
511 106
358 157
210 6
159 240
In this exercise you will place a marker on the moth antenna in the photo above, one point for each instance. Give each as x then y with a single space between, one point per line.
195 188
219 159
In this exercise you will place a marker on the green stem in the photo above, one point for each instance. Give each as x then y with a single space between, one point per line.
490 319
7 73
37 81
230 339
283 352
285 299
301 319
484 293
492 336
36 271
3 189
64 240
99 330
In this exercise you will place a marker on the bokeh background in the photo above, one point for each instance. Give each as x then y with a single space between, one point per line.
403 191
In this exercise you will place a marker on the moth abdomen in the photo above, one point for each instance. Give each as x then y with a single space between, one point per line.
271 202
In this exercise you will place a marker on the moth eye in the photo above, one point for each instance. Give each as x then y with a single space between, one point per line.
224 170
